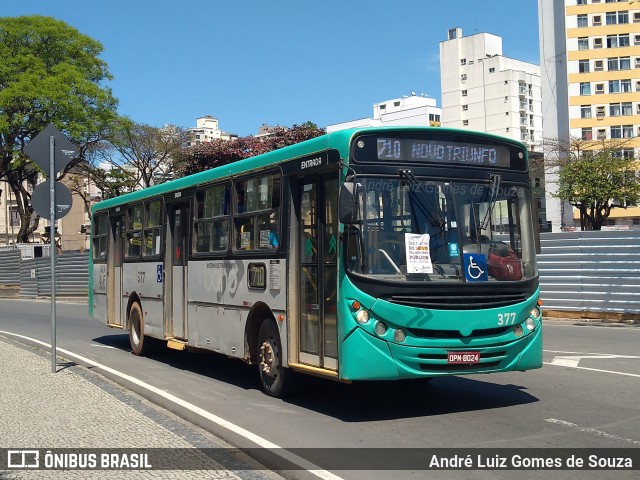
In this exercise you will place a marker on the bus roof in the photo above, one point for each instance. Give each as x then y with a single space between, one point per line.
339 140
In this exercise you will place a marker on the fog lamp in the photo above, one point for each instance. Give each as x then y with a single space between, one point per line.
399 335
518 331
381 328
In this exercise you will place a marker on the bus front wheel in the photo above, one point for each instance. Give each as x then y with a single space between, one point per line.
274 377
140 345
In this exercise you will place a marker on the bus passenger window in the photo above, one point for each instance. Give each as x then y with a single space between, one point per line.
134 231
211 224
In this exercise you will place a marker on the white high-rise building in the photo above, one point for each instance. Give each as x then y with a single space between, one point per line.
485 91
410 110
206 130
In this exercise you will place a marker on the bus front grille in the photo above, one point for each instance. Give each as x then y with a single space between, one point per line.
455 334
457 302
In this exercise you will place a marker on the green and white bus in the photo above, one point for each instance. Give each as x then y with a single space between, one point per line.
364 254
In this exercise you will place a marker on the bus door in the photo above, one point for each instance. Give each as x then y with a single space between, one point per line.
175 270
316 252
115 251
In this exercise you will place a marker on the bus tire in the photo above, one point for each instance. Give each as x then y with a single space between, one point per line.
275 379
140 345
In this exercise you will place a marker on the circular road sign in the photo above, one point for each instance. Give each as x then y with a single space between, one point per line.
41 200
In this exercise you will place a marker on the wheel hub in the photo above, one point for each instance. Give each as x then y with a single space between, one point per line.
267 359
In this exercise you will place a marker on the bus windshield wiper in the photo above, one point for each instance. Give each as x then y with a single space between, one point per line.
436 220
493 197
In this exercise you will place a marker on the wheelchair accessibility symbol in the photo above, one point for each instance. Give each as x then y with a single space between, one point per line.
475 267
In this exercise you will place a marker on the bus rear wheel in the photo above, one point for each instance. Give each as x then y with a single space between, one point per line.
274 377
140 345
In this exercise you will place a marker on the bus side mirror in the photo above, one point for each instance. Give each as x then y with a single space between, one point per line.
348 203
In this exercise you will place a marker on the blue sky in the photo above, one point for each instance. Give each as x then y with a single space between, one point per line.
279 62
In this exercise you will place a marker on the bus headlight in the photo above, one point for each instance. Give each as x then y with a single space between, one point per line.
381 328
399 335
536 312
362 316
530 323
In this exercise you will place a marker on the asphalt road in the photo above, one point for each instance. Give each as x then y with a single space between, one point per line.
586 396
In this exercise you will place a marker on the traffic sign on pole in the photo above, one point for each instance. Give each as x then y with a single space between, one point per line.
38 149
52 151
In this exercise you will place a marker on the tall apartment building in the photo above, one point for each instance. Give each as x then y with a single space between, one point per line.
592 47
485 91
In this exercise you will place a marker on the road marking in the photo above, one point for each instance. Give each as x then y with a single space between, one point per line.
103 346
591 353
573 360
590 430
597 370
262 442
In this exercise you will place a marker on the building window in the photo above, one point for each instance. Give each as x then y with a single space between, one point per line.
582 2
583 66
612 18
599 88
612 41
492 69
465 123
616 132
614 109
626 108
613 64
396 104
636 40
602 134
636 17
583 43
464 93
463 77
596 20
623 17
597 43
598 66
585 88
627 131
614 86
465 107
587 134
600 111
585 111
463 61
625 63
583 21
625 86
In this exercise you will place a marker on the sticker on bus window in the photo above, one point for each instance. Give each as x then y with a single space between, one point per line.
418 254
475 267
264 238
245 240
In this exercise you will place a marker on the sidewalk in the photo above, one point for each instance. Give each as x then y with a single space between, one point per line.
76 409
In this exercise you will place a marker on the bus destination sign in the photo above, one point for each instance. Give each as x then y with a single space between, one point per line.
442 151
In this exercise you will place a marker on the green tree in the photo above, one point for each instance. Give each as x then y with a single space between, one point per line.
147 152
49 73
206 155
595 177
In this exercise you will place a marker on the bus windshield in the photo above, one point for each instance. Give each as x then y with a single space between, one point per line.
413 230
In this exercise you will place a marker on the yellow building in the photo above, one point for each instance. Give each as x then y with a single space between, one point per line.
603 70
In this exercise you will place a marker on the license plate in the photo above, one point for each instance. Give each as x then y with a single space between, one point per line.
464 358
